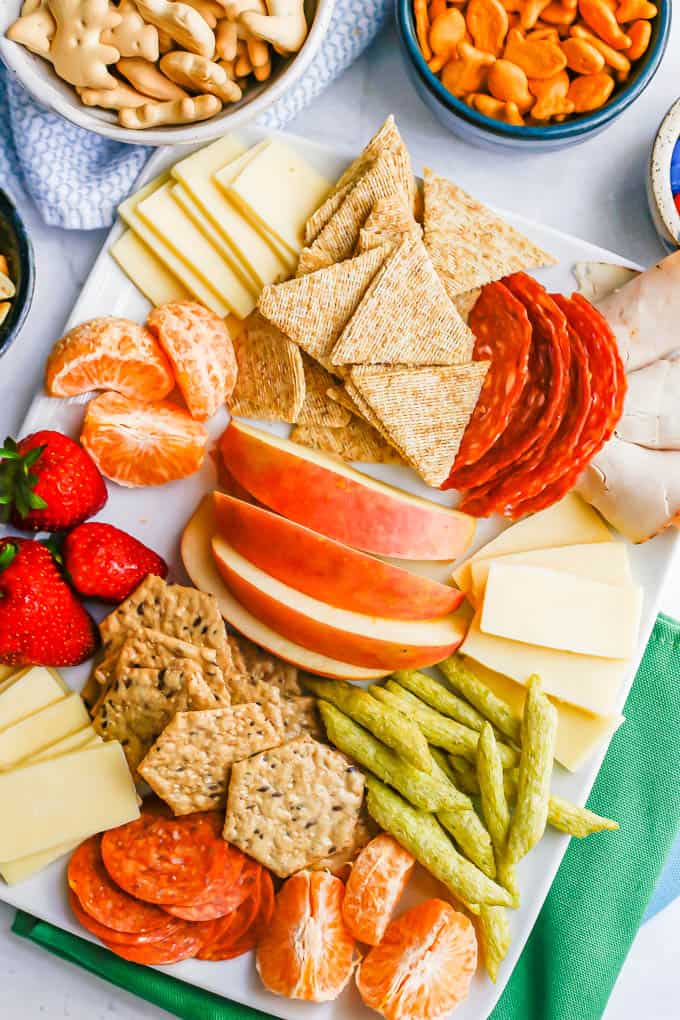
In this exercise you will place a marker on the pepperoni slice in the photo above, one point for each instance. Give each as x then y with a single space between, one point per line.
538 413
169 928
608 391
183 945
503 336
230 930
251 938
536 473
169 861
225 892
105 902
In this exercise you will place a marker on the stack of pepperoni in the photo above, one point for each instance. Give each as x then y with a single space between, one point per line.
163 889
550 401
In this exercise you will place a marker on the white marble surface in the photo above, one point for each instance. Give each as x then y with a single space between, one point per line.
595 191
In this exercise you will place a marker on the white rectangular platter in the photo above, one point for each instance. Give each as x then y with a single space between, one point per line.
157 517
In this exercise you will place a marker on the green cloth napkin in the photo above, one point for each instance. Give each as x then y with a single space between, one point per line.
595 905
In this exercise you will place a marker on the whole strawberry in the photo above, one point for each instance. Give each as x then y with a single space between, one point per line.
104 562
42 622
48 482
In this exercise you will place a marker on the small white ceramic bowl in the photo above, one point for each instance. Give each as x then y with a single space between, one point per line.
38 77
659 195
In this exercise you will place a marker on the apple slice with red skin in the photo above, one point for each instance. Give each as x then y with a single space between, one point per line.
332 498
200 566
371 641
327 570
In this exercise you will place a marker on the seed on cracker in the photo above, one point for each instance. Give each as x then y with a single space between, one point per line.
293 805
318 408
468 243
188 766
405 317
357 441
389 222
424 410
271 380
314 309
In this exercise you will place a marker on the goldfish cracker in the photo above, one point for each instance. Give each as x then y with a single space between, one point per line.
551 97
436 7
582 56
508 83
557 14
468 72
633 10
530 12
640 33
616 60
546 32
590 91
176 111
490 107
487 22
446 31
538 58
601 18
422 17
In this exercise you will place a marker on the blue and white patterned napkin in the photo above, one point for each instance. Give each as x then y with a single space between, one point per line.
77 178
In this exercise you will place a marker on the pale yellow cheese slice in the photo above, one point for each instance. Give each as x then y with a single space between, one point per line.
34 689
569 522
579 733
59 678
258 254
604 561
194 284
558 610
77 741
147 272
65 799
22 868
41 729
278 190
168 220
586 681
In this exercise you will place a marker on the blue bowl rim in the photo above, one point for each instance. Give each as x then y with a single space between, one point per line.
24 295
567 129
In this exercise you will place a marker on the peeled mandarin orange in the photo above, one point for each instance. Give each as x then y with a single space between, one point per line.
134 443
374 887
307 953
109 354
199 347
423 966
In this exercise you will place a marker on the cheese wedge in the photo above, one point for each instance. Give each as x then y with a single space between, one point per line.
194 283
257 254
66 799
34 689
278 191
168 220
585 681
579 733
569 522
558 610
24 867
604 561
40 730
77 741
146 271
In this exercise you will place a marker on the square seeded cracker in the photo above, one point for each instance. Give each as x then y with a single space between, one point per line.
301 718
293 805
188 766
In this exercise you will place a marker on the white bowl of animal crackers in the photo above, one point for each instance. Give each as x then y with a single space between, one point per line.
160 72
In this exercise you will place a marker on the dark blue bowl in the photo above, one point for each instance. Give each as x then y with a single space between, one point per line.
16 246
474 127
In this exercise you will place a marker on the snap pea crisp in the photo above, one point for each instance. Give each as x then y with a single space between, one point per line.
464 682
466 827
433 693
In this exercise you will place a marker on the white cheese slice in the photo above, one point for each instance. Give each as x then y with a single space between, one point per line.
77 741
604 561
41 730
257 253
168 220
23 867
579 733
147 272
194 283
35 689
558 610
66 799
569 522
586 681
278 190
59 678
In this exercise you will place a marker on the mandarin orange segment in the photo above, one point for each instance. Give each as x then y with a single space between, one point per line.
109 354
200 350
423 966
374 887
134 443
307 952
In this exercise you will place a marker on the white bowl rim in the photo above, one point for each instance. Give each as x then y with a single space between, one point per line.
660 170
34 80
